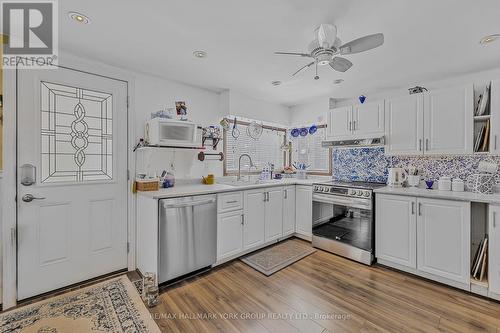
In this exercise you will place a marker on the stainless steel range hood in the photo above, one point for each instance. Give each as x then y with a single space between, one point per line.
370 142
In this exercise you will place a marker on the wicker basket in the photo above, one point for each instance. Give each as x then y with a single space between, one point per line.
481 183
147 185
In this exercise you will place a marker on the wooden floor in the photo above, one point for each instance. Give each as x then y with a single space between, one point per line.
320 293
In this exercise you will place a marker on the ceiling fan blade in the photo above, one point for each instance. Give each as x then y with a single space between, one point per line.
294 54
362 44
302 68
340 64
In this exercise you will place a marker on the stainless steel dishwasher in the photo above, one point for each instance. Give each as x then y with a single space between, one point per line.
188 235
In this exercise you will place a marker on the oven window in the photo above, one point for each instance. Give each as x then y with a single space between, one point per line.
344 224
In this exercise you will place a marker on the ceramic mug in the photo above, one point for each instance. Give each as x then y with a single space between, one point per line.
209 179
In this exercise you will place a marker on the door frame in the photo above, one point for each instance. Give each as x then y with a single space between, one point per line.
9 182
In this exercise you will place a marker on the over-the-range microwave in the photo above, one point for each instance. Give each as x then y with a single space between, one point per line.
169 132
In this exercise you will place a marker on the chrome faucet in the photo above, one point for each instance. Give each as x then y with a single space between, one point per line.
239 164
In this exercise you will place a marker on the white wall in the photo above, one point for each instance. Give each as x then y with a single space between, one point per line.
153 94
307 113
242 105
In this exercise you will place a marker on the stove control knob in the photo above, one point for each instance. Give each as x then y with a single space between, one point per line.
326 189
359 192
366 194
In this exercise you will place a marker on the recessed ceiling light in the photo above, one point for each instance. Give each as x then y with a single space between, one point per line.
78 17
200 54
489 39
338 81
276 83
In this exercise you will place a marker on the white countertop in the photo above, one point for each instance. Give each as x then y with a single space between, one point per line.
423 192
184 190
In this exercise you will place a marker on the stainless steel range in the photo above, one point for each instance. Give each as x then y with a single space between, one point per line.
344 219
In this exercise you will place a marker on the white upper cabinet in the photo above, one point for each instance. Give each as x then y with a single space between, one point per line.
404 121
448 124
340 123
368 120
495 117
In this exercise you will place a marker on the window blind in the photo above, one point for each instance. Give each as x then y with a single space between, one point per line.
308 150
266 149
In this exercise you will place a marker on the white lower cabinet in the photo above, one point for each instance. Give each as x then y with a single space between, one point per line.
274 214
443 238
431 237
395 232
229 234
288 210
303 210
254 224
494 250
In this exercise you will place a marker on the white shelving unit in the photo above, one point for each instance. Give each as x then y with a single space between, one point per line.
482 121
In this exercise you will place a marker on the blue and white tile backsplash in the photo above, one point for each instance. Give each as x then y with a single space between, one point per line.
371 164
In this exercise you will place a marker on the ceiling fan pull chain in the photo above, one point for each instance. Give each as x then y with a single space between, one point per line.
316 77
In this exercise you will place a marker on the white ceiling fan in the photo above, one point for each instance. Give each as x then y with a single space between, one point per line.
326 48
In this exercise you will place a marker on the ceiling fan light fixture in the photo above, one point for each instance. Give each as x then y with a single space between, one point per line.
79 17
489 39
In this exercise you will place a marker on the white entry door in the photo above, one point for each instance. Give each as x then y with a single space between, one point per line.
72 147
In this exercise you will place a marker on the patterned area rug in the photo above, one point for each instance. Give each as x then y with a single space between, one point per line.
274 258
110 306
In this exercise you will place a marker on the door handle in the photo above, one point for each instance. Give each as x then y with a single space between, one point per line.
242 219
232 201
354 125
419 144
286 194
350 126
494 219
495 142
265 196
31 197
412 208
427 144
420 209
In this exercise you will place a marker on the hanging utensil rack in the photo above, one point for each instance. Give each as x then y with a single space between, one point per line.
202 155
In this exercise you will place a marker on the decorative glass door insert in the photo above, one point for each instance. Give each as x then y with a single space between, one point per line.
76 134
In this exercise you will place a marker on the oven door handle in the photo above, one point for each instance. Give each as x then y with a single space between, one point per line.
345 201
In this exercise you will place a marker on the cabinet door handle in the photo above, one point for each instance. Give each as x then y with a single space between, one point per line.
494 219
264 196
242 219
412 208
350 126
286 194
420 209
354 125
232 201
495 142
419 144
427 144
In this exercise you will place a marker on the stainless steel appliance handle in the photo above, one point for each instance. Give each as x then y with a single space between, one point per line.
189 204
345 201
